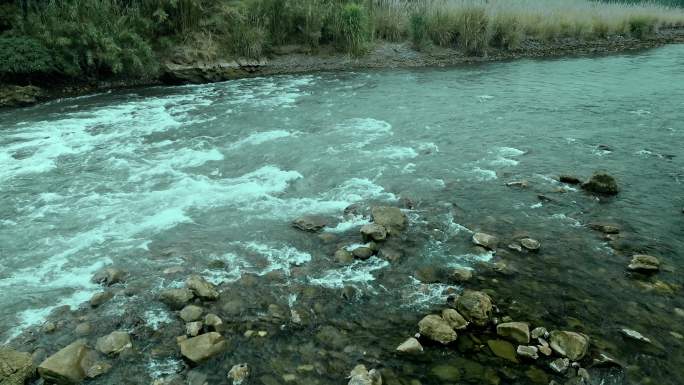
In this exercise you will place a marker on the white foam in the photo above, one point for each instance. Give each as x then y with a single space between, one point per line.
351 223
159 368
261 137
574 222
418 295
396 153
483 175
359 272
409 168
510 151
157 318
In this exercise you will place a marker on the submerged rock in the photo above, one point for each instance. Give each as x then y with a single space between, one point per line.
361 376
601 183
15 367
64 367
487 241
411 346
310 223
391 218
530 244
460 275
99 298
213 321
605 228
362 252
569 344
475 306
569 179
203 347
503 349
114 343
516 331
644 264
635 335
19 96
343 256
238 373
202 288
373 232
437 329
176 299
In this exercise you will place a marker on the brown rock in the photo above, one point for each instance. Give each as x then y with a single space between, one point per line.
437 329
203 347
391 218
64 367
202 288
15 367
475 306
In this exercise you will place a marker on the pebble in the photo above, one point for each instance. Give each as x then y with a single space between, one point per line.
411 346
560 365
635 335
527 351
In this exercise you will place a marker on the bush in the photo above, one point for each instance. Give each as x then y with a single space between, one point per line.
442 25
419 30
506 32
641 26
24 56
352 29
473 32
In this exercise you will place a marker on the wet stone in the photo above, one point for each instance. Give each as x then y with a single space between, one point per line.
83 329
437 329
98 369
64 367
410 346
15 367
213 321
475 306
390 254
192 329
487 241
310 223
569 344
203 347
515 331
539 332
373 232
99 298
455 320
362 253
191 313
644 264
605 228
569 179
635 335
202 288
239 373
601 183
560 365
530 244
530 352
343 256
362 376
176 298
114 343
460 275
503 349
109 276
391 218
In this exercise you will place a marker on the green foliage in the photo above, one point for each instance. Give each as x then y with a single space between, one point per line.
353 28
419 29
442 25
506 31
473 33
24 56
642 26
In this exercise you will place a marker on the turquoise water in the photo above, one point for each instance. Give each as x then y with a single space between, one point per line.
184 177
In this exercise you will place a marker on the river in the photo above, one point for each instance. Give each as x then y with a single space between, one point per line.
207 178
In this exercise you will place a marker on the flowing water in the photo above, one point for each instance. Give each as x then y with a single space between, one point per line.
207 178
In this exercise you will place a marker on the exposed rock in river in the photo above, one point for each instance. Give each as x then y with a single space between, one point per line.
391 218
109 276
239 373
18 96
310 223
411 346
635 335
437 329
176 298
644 264
203 289
605 228
487 241
343 256
361 376
15 367
515 331
203 347
191 313
569 179
601 183
560 365
114 343
530 244
503 349
64 367
475 306
454 319
569 344
530 352
373 232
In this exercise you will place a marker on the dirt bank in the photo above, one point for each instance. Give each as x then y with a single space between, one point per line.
296 59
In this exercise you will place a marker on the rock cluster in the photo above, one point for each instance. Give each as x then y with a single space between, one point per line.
601 183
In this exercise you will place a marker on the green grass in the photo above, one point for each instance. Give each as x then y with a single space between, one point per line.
110 38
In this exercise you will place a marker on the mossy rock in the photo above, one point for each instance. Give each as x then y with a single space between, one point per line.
503 349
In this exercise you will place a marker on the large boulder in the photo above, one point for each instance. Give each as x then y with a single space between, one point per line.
114 343
569 344
15 367
454 319
191 313
391 218
65 366
437 329
176 299
601 183
515 331
202 347
475 306
202 288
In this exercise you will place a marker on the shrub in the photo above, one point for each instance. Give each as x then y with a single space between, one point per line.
506 31
352 29
24 56
419 29
390 22
443 26
641 26
473 32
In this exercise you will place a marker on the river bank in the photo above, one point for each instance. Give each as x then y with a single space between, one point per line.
295 59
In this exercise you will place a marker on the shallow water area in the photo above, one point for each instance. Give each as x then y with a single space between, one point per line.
166 182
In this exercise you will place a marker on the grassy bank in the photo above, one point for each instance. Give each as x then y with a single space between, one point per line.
41 41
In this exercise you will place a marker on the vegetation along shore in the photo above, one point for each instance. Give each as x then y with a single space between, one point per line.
54 48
